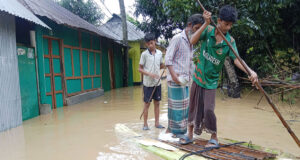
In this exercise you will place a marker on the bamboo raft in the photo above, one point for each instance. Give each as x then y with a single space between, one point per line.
233 152
174 151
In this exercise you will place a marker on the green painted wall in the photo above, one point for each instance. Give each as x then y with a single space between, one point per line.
105 65
56 63
118 66
70 37
28 84
91 64
134 55
44 63
41 49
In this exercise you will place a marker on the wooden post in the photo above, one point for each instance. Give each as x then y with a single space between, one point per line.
125 41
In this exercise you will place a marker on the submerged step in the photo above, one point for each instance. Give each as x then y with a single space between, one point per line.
84 97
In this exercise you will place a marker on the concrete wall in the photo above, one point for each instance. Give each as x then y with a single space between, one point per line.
10 99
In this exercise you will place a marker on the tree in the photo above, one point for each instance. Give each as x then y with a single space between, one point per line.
88 10
264 28
159 20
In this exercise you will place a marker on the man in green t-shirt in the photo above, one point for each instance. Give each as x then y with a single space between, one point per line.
213 51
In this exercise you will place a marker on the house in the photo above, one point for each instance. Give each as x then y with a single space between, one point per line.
113 27
72 57
51 58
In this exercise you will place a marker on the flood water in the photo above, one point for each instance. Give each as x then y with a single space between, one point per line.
87 131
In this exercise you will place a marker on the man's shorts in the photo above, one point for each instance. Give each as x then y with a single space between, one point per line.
148 91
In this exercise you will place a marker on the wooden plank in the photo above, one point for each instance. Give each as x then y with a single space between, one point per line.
49 37
74 94
79 77
91 76
112 70
71 47
64 83
91 50
47 56
72 78
55 56
84 49
52 76
58 91
57 74
89 90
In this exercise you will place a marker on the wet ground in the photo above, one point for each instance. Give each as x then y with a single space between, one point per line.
87 130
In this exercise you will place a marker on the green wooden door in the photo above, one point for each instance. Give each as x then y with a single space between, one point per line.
28 83
53 71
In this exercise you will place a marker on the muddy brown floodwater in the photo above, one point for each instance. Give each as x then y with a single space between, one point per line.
86 131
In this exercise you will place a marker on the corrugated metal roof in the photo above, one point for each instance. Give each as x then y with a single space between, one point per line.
113 27
60 15
13 7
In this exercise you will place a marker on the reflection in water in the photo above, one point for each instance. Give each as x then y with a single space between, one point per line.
87 130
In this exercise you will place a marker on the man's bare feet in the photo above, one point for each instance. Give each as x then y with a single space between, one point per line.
190 131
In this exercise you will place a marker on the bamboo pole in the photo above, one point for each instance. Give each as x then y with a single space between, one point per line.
149 100
258 85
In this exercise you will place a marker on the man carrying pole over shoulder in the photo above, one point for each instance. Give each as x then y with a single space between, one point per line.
209 64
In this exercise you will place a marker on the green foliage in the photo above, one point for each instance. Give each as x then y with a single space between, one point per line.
291 97
263 27
88 10
287 60
152 9
132 20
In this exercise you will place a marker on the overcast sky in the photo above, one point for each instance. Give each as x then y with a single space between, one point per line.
114 7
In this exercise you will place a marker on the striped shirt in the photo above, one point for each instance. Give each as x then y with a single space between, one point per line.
179 55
